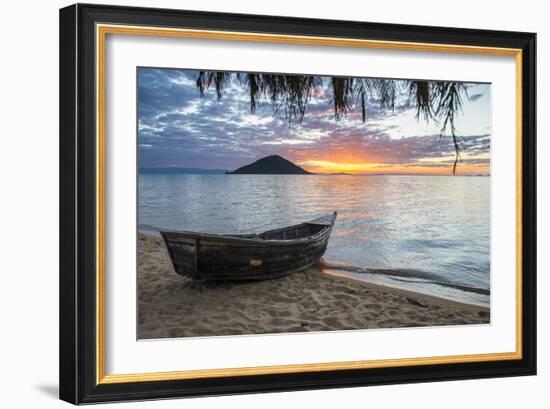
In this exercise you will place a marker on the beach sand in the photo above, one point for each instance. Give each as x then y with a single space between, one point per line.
172 306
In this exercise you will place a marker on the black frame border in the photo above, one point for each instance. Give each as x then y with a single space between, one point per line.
78 210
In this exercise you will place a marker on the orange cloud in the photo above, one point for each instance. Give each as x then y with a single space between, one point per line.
385 156
317 166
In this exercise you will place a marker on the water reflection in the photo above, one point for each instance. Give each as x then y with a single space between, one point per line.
425 223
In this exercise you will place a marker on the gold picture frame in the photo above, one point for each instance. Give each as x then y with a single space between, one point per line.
106 21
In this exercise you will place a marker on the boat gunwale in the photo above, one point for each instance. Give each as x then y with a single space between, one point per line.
228 239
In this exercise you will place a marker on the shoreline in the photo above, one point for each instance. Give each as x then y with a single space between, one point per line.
173 306
403 291
324 267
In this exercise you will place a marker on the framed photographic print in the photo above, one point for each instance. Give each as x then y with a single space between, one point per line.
258 203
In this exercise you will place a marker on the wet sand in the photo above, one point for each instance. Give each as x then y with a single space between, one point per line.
171 305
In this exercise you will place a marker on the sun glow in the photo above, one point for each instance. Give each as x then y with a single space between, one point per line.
428 168
322 166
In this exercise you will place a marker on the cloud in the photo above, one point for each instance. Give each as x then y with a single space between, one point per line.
179 128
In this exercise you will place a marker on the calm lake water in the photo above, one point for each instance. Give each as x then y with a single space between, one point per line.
432 232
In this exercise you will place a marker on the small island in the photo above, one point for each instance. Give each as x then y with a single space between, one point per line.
270 165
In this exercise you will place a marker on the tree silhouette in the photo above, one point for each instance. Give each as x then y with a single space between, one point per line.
437 101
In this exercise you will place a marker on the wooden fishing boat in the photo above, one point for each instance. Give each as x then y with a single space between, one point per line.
270 254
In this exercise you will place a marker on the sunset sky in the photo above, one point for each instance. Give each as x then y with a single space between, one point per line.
178 128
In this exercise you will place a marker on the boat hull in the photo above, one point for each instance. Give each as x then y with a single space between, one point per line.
249 257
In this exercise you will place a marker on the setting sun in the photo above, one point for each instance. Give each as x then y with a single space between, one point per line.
321 166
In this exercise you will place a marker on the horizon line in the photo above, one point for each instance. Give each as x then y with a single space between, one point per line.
314 173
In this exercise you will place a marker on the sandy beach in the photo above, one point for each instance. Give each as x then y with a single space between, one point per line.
171 305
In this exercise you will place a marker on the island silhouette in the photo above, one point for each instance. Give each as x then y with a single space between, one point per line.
271 165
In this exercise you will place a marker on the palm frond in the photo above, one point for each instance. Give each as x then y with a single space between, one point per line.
289 95
342 95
